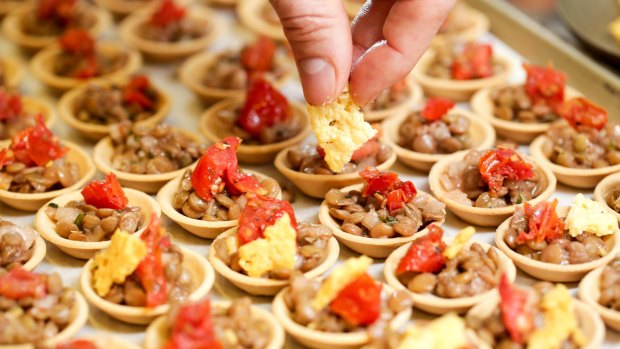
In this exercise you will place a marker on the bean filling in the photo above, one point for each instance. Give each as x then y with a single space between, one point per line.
58 174
16 245
609 285
444 136
228 73
104 105
307 159
279 132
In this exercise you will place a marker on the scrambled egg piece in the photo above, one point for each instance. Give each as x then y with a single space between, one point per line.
340 130
446 332
614 29
117 262
459 242
560 322
277 250
590 216
352 269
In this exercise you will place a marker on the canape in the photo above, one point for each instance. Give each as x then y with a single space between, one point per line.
78 59
264 119
270 245
421 138
583 148
448 331
90 109
463 24
258 16
380 215
599 290
136 279
11 72
559 244
36 167
145 157
524 317
82 222
484 187
37 24
522 111
122 8
305 166
42 299
444 274
394 101
100 341
21 112
170 31
236 324
21 246
219 75
458 72
343 311
208 199
607 192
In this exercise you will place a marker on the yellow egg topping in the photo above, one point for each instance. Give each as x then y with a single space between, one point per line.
117 262
459 242
589 216
446 332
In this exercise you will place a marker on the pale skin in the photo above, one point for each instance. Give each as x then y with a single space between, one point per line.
379 49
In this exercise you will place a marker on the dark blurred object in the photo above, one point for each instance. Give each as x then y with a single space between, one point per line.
589 20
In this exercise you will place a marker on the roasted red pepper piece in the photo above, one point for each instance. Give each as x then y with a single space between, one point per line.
543 222
517 319
497 165
259 213
193 328
20 283
544 85
258 57
388 184
35 146
77 344
435 108
359 303
582 113
10 105
59 11
425 255
136 92
475 62
150 271
264 107
168 12
78 42
218 169
105 194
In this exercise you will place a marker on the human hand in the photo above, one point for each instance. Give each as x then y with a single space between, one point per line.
381 47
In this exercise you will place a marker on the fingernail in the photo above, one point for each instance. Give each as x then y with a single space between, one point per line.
318 78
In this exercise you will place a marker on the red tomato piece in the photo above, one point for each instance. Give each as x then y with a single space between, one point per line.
20 283
359 303
77 344
436 107
258 57
425 255
264 107
10 105
60 11
517 319
476 62
136 92
36 145
388 184
218 169
167 13
544 85
193 328
259 213
542 221
367 149
497 165
77 42
583 114
150 271
105 194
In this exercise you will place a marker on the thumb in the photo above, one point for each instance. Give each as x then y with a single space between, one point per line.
319 33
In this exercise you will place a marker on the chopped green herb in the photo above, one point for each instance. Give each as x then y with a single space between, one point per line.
389 219
79 220
520 199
